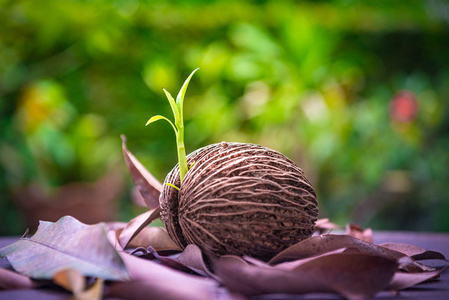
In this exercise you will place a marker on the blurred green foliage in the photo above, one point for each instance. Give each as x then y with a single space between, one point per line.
311 79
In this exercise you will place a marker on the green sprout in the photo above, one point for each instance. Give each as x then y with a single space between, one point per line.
178 126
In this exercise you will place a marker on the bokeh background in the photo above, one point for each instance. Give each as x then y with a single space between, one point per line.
355 92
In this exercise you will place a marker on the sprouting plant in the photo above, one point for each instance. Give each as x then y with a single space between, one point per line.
178 126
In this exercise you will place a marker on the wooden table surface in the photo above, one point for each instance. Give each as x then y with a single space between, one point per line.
437 289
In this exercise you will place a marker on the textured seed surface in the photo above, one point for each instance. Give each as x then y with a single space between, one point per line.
239 199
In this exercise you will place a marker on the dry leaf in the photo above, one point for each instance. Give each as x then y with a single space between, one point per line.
354 276
151 278
359 232
148 186
115 225
112 237
137 198
290 265
192 257
184 265
66 244
136 225
403 280
255 261
323 225
10 280
93 292
155 237
70 279
318 245
414 251
173 263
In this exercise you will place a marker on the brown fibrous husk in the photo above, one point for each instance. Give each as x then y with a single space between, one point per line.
239 199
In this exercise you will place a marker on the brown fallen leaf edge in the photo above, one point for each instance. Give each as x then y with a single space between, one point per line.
324 263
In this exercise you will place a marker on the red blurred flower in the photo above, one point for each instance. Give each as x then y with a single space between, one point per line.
404 107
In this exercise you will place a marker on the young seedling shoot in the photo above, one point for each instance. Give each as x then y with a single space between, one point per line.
236 198
178 127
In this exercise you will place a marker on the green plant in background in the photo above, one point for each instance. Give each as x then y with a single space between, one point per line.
178 127
62 145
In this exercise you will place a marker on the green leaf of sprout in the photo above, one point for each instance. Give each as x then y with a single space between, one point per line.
173 106
178 126
159 117
182 93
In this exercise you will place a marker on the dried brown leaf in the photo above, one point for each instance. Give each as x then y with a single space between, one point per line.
151 278
112 237
290 265
115 225
403 280
136 225
354 276
10 280
255 261
192 257
414 251
137 198
358 232
148 186
323 225
173 263
71 280
318 245
241 260
67 243
155 237
93 292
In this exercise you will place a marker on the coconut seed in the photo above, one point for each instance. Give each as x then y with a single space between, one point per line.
239 199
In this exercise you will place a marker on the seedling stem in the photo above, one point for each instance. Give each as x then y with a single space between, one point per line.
178 126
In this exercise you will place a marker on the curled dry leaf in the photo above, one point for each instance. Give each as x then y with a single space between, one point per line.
148 186
403 280
239 260
67 243
137 198
414 251
93 292
189 261
155 237
192 257
323 225
173 263
134 226
354 276
75 282
325 243
112 237
10 280
290 265
147 276
255 261
163 283
115 225
71 280
359 232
